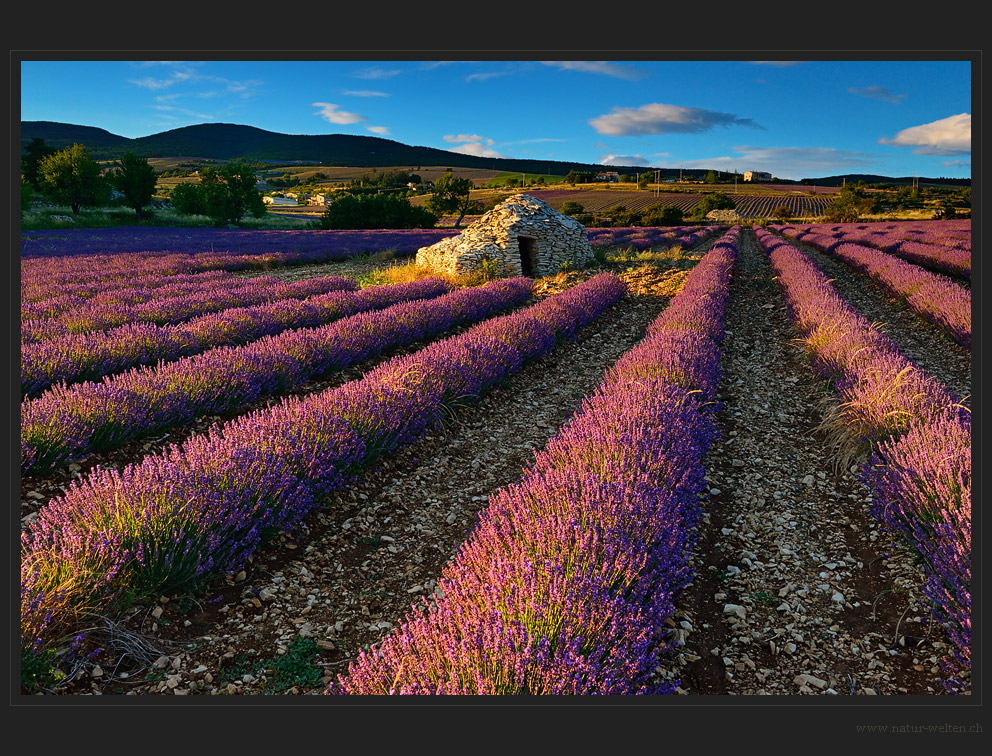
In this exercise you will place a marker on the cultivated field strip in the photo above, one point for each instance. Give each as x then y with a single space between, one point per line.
917 433
91 356
569 574
796 590
747 205
69 421
933 250
657 238
928 346
196 510
215 296
935 297
156 287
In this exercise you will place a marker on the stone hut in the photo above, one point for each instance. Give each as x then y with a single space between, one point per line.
523 236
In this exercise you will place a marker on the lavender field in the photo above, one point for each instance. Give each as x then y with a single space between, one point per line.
716 461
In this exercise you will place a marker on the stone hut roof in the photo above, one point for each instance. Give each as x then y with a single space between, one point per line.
523 235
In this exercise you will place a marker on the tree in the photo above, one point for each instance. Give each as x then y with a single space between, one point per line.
643 180
711 177
571 207
711 201
851 202
375 211
136 180
73 178
451 195
35 151
660 214
230 193
188 199
782 212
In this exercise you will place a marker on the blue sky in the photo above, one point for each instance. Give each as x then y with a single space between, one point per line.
794 119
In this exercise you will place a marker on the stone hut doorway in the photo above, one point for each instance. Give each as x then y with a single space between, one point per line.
528 255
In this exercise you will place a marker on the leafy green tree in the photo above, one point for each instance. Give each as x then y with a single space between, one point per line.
660 214
711 177
451 195
782 212
375 211
188 199
571 207
136 180
71 177
643 180
27 194
35 151
711 201
230 193
851 203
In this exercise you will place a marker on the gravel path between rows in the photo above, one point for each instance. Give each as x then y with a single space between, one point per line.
797 591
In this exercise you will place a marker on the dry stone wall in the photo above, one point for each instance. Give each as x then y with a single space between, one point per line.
521 236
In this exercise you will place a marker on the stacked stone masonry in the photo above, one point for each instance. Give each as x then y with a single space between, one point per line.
521 236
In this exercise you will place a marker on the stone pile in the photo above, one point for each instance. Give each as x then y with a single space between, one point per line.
521 236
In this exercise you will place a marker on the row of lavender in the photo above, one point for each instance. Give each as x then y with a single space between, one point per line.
952 232
647 237
182 517
940 256
935 297
120 292
53 260
568 578
212 296
91 356
918 433
68 421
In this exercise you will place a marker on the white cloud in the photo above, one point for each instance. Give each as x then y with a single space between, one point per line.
380 130
598 67
658 118
330 113
621 160
948 136
475 148
185 73
364 93
877 93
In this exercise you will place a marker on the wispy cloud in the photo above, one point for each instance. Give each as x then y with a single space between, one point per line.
948 136
187 73
602 67
877 93
364 93
377 73
330 113
487 75
380 130
658 118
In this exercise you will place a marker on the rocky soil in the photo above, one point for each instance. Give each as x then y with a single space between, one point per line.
796 590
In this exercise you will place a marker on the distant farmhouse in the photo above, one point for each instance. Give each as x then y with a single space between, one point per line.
608 176
757 176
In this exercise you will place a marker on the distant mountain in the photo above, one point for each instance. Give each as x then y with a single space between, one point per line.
227 141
